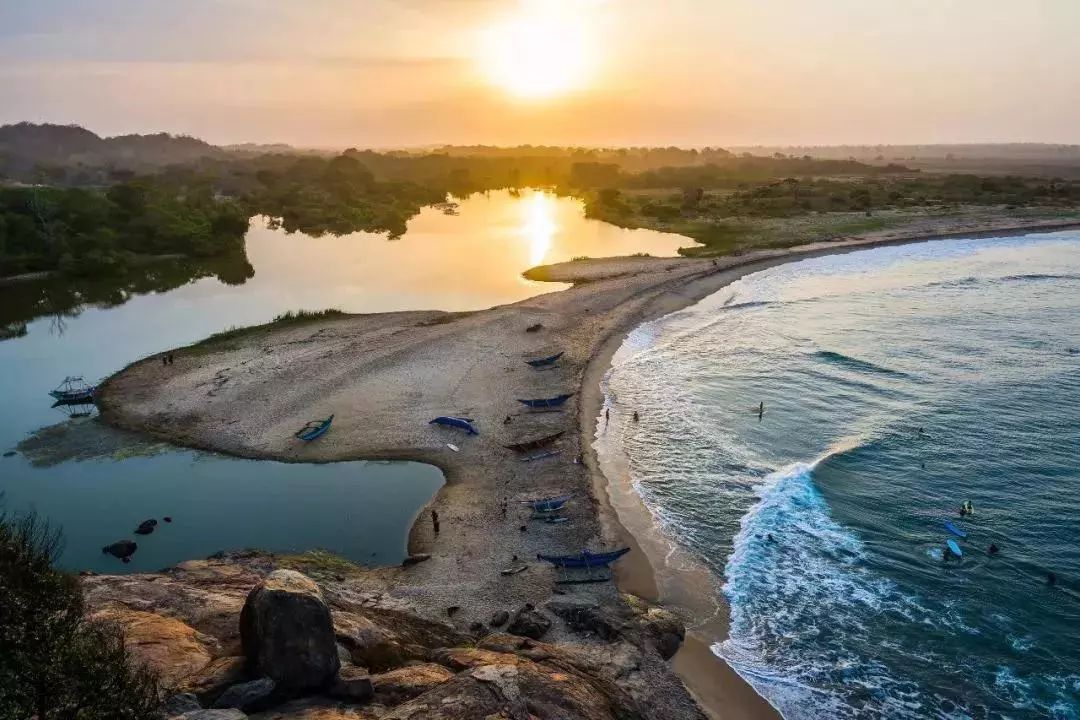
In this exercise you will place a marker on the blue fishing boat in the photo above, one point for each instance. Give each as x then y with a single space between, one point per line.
553 402
314 429
545 362
547 504
73 391
458 422
584 559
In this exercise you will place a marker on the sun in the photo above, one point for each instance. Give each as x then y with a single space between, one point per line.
540 52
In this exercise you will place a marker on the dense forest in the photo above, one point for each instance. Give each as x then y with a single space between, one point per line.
74 202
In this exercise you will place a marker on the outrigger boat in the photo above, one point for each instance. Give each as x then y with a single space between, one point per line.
584 559
547 504
314 429
458 422
535 443
545 362
73 391
541 403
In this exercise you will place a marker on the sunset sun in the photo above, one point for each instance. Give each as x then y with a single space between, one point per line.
542 51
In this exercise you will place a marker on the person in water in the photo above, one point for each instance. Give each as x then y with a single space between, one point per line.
1051 579
994 550
761 410
636 418
967 508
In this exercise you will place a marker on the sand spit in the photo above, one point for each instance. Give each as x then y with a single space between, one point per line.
384 376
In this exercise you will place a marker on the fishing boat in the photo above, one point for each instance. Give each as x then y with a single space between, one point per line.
314 429
547 504
584 559
545 362
73 391
535 443
540 403
458 422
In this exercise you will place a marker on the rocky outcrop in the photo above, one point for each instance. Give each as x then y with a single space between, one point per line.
185 622
527 622
287 632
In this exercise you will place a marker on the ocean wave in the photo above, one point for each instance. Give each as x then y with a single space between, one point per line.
854 363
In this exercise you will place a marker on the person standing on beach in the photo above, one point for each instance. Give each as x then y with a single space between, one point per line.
435 520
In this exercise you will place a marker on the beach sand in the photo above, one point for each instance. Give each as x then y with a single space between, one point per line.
384 376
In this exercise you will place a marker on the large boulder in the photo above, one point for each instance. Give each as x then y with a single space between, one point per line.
529 623
287 632
635 621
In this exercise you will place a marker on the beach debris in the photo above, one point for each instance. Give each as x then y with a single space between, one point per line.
453 447
514 569
452 610
415 559
122 549
535 328
167 518
146 527
500 618
528 623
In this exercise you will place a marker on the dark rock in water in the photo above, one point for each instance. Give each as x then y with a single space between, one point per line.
122 549
287 632
9 453
415 559
249 697
500 618
529 623
353 684
167 518
179 704
146 527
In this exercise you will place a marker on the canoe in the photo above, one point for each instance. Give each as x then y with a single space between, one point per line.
535 443
314 429
545 362
547 504
547 402
584 559
458 422
73 391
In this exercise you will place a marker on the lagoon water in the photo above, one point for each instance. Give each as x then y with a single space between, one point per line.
467 261
898 383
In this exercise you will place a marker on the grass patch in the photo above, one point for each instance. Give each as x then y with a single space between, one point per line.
318 562
227 339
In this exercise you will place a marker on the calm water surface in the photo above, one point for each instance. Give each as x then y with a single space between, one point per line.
898 383
467 261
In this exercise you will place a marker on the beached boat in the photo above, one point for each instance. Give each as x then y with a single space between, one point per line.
545 362
547 504
73 391
584 559
535 443
458 422
553 402
314 429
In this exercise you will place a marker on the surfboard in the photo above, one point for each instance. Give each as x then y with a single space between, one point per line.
453 447
954 548
955 530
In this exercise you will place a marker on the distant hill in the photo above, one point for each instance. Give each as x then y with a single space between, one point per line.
74 154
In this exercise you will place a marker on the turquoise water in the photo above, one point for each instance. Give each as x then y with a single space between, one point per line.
898 383
362 510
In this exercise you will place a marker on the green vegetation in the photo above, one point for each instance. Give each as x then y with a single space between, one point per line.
85 233
224 340
318 563
56 663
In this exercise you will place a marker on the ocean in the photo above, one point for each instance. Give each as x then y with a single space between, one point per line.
897 383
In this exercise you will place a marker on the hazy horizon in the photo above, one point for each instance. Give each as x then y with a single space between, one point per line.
413 73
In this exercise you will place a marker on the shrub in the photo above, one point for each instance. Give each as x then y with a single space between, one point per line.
55 663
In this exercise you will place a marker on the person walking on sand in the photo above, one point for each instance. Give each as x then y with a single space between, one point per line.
435 520
607 416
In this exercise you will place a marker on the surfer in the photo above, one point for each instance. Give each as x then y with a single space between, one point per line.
967 508
770 538
761 410
994 549
1051 579
636 418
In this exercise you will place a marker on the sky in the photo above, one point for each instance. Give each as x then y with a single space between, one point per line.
399 73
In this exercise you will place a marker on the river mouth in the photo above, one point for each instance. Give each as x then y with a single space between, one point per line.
98 485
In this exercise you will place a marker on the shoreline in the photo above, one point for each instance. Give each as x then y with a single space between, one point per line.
627 291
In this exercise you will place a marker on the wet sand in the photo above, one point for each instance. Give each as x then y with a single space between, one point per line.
384 376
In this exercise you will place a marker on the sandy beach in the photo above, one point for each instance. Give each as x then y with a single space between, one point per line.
385 376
